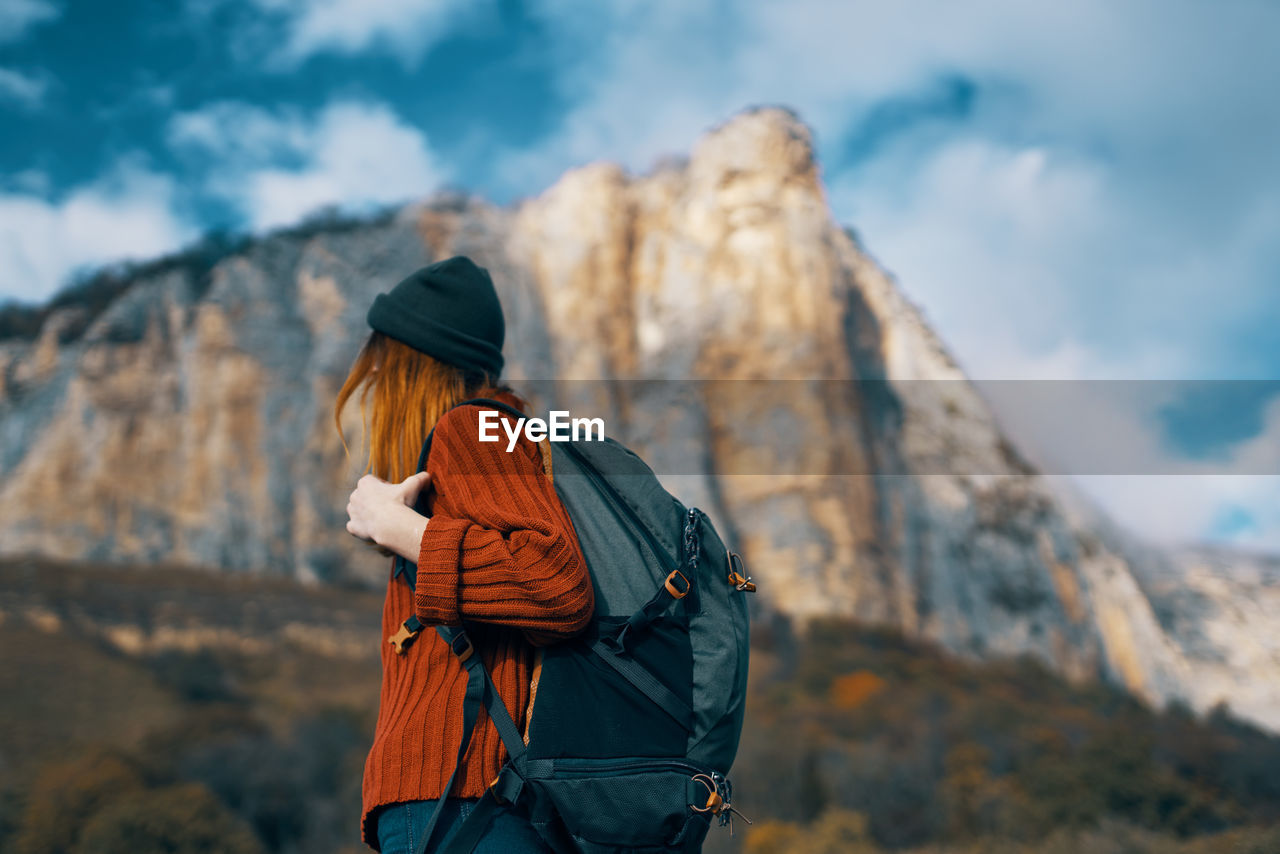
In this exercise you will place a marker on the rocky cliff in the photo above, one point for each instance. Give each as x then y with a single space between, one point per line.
190 421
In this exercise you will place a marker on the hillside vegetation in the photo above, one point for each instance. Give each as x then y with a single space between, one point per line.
860 741
150 711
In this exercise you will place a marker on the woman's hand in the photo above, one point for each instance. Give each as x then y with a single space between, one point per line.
383 513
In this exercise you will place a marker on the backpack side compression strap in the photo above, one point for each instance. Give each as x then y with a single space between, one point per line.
471 703
480 692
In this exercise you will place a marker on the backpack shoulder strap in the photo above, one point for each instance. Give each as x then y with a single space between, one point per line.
475 401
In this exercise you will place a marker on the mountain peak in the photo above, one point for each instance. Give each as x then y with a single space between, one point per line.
764 139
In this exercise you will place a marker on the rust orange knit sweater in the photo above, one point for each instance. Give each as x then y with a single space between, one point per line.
501 553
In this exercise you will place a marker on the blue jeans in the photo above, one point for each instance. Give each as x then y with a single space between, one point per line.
400 827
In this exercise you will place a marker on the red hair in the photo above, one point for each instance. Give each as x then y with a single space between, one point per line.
403 393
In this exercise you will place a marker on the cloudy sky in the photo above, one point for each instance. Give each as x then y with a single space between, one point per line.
1070 191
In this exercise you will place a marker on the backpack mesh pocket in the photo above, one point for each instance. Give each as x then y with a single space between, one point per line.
585 708
597 806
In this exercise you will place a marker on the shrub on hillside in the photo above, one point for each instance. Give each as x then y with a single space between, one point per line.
181 819
64 794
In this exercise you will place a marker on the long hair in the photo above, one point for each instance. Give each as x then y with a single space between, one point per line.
402 394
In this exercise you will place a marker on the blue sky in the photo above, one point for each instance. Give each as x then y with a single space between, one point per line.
1070 191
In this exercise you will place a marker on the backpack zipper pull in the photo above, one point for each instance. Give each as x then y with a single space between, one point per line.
719 795
739 579
727 817
692 541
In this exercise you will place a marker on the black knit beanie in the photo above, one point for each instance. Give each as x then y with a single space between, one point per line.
448 310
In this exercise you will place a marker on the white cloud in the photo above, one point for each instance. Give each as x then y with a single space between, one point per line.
238 131
1179 510
27 90
1011 249
1103 437
1020 252
17 17
128 214
277 167
406 28
1185 509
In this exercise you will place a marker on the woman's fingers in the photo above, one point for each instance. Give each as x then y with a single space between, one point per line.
413 486
375 504
376 508
357 530
365 506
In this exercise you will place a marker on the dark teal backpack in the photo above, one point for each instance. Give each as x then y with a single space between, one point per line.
635 722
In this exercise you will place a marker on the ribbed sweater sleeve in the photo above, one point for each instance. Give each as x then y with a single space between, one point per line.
499 547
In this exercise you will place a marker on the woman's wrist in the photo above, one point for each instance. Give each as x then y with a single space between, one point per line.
402 530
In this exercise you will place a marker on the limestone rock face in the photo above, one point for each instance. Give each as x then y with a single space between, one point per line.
1221 610
721 323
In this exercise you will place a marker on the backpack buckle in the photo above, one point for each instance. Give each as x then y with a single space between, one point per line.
674 589
403 637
